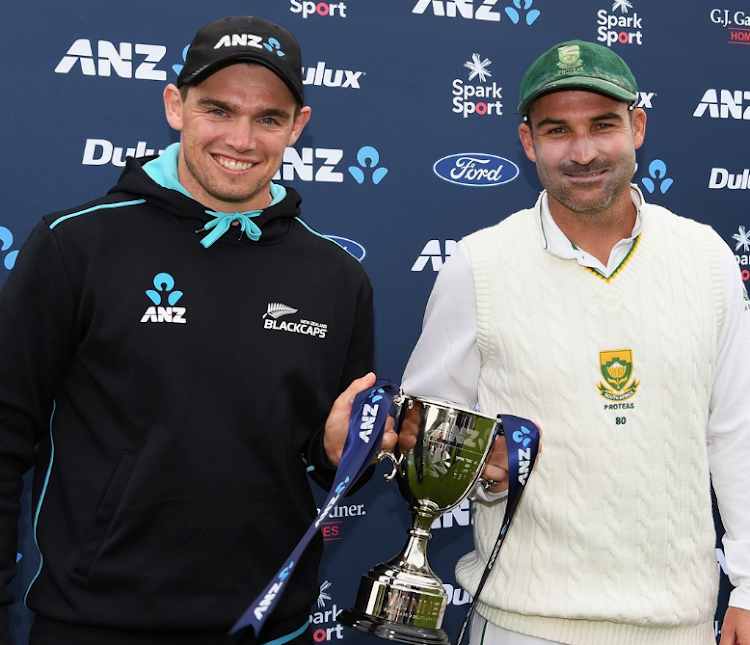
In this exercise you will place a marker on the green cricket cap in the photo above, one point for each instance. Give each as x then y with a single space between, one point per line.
577 64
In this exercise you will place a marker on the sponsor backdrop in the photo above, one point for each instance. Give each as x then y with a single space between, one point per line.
412 145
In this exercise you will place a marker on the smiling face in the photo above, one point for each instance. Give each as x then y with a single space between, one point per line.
234 127
584 146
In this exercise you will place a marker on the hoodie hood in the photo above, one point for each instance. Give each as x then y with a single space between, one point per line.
158 185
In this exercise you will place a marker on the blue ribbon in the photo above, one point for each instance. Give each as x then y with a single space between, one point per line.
366 426
223 221
522 440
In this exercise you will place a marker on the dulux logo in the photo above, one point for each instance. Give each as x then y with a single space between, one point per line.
355 249
475 169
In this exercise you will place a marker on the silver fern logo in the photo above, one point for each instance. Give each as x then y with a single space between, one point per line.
276 310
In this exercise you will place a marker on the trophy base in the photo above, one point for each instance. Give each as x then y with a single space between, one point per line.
382 628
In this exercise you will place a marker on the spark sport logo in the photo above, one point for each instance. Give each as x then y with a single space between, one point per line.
324 623
322 9
620 26
482 98
742 251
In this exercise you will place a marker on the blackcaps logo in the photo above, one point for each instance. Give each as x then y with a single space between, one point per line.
164 290
276 310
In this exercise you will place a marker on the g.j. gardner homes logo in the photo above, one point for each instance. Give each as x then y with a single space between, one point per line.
617 370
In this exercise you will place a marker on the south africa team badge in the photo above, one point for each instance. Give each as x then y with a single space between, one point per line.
617 369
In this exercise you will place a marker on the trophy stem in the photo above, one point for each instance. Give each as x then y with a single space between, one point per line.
402 599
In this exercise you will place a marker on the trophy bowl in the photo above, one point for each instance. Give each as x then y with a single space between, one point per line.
402 599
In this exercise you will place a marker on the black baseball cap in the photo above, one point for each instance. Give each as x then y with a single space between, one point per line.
244 38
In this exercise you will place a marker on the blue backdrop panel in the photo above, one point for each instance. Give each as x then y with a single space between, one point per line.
396 86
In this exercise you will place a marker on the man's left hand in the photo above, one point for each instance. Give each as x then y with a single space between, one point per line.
337 424
736 627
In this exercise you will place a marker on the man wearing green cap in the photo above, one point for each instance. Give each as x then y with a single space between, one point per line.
578 314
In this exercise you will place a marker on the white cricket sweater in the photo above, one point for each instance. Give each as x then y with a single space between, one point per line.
614 540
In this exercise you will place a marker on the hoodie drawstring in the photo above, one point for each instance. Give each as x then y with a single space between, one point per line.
222 222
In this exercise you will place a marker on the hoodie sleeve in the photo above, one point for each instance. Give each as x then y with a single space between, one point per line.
359 361
37 332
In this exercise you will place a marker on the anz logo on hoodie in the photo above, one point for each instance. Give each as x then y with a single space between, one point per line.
162 294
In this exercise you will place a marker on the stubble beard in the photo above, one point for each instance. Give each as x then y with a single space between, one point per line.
592 201
215 192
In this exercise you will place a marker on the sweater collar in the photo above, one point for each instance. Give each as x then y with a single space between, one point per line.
555 242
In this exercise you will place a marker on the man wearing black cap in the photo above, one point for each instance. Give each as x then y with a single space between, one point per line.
171 352
623 330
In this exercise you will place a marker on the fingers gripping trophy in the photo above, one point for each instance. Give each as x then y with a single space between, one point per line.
402 599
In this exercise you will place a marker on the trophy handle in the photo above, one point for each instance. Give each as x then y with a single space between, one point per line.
396 461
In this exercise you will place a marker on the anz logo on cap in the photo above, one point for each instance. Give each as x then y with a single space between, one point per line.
249 40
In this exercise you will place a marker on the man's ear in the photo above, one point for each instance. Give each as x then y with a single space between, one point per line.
527 141
639 127
173 106
300 121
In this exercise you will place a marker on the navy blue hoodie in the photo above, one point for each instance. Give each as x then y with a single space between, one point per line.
172 398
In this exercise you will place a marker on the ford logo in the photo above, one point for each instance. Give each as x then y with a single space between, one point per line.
475 169
354 248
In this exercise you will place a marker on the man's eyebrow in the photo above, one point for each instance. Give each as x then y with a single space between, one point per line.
607 116
208 102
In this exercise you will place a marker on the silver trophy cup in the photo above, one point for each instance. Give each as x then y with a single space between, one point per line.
402 599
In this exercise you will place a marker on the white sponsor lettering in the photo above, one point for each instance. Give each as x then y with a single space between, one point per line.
164 315
110 58
320 75
625 30
307 8
240 40
462 8
722 178
99 152
303 165
724 104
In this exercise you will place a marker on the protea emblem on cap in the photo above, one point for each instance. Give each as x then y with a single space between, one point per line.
570 57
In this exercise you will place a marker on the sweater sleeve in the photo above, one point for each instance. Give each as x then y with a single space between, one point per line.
729 430
359 361
36 340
